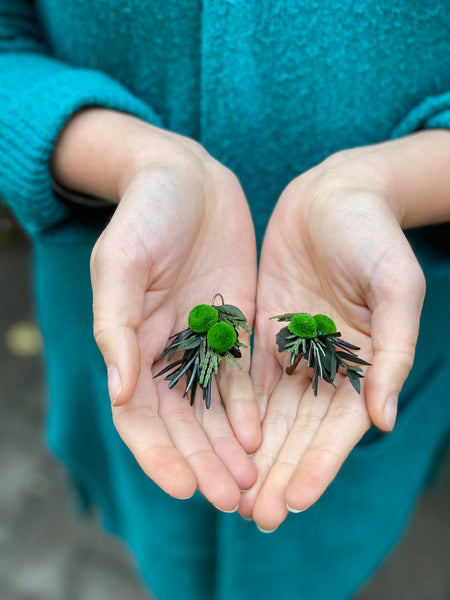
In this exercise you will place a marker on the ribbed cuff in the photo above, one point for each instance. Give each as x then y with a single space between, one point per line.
37 97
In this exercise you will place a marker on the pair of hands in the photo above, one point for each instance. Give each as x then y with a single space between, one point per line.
182 231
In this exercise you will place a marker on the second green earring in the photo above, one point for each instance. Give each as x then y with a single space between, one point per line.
316 339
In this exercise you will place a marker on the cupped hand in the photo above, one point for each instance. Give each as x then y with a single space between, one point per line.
333 246
181 233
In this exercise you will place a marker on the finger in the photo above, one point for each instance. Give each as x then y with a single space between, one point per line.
213 478
118 282
214 422
143 431
278 421
236 390
396 304
270 506
344 425
265 368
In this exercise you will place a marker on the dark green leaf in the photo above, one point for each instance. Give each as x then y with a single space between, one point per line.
180 333
207 394
235 351
229 310
329 365
180 373
193 390
333 366
282 338
285 317
315 382
354 380
352 358
345 344
356 369
310 355
169 367
194 375
190 343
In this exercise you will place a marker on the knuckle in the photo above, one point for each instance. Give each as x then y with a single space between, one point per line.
195 148
410 274
418 279
94 255
224 176
405 357
100 332
402 356
100 252
399 275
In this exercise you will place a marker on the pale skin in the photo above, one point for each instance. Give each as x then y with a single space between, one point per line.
183 231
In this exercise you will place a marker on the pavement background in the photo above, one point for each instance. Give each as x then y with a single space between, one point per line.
47 552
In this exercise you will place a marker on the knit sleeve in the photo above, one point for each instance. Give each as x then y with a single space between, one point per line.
431 113
38 94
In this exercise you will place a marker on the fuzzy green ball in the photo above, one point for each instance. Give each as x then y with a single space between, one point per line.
325 325
202 317
221 337
303 325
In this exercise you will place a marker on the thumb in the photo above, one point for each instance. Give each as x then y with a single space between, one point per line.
118 285
398 292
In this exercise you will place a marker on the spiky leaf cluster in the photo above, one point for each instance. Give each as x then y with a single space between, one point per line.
324 351
211 336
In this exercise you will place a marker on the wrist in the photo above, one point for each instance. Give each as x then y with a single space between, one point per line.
100 151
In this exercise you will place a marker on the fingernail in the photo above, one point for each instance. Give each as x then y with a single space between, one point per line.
390 410
227 511
265 530
295 510
114 385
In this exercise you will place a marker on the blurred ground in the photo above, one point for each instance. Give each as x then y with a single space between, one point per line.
48 553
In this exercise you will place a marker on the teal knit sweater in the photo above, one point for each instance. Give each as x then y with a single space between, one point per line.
270 88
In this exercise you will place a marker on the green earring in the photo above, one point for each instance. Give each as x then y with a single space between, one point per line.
211 336
316 339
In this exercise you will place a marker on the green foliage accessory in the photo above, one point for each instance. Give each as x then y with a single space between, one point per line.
303 326
202 317
221 337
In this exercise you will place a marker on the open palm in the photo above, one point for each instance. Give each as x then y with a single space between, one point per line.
178 236
342 254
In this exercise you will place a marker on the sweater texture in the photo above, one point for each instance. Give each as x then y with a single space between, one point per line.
270 88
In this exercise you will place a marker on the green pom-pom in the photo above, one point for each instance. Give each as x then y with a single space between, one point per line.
202 317
325 325
222 337
303 325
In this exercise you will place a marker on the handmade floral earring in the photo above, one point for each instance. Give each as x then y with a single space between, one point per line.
211 336
316 339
